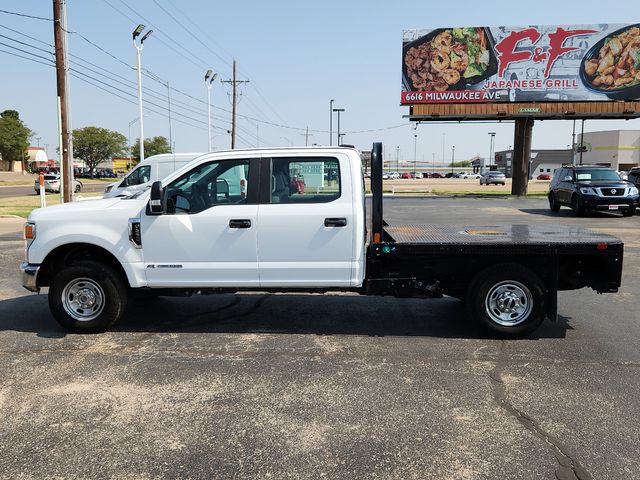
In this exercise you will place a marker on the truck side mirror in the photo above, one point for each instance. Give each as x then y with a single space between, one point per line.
155 200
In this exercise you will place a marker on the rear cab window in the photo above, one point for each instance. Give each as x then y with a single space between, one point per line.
305 180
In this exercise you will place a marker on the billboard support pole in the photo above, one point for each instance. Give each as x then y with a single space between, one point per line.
582 141
521 155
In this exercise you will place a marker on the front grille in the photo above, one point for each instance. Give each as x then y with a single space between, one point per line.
612 192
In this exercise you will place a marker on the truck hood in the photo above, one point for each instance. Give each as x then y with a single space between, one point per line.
91 210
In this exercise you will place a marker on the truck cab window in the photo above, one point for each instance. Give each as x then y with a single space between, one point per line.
139 176
208 185
305 180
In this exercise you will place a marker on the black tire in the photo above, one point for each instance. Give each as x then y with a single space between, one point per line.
103 290
578 211
37 192
629 212
508 300
554 206
77 189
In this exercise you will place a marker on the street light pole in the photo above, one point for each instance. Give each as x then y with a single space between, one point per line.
331 121
138 48
338 110
130 123
415 154
493 135
209 77
453 156
398 158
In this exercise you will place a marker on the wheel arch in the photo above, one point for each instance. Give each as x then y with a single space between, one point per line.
74 252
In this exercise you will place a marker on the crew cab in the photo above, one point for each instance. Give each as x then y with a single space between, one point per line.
195 232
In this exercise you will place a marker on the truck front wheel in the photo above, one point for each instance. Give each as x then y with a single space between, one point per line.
508 300
87 297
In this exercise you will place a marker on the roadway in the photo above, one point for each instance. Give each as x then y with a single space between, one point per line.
337 386
21 190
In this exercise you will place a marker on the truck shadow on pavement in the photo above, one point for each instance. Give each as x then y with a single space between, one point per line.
566 213
276 314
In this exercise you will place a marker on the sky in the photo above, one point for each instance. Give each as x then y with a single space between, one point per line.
296 55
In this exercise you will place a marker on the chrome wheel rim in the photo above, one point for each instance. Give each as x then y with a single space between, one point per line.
509 303
83 299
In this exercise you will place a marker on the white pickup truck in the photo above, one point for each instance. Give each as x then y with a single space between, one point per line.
297 223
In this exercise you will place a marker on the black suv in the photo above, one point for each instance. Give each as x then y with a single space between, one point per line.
634 176
586 188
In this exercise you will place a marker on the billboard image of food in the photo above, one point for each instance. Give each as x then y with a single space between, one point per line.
521 64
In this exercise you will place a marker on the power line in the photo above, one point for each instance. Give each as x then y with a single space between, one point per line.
190 33
198 61
24 51
25 15
49 64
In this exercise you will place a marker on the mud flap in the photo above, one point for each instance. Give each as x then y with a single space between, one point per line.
552 289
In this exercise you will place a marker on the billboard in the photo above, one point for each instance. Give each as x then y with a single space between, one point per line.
574 63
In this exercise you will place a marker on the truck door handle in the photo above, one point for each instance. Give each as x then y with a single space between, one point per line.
335 222
240 223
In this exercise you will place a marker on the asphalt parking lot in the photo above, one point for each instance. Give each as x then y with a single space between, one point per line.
327 386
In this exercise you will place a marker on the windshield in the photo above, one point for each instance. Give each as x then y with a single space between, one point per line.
597 175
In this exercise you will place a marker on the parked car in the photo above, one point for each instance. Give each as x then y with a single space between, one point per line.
52 184
470 175
405 175
394 175
437 175
416 175
543 176
493 178
385 176
449 175
588 188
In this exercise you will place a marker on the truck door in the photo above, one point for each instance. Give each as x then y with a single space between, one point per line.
305 222
206 236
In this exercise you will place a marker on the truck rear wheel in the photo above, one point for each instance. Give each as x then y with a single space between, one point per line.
87 297
508 300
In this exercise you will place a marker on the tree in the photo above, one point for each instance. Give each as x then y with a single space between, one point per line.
14 138
152 146
95 145
463 163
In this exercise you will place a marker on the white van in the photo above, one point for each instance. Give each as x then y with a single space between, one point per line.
148 171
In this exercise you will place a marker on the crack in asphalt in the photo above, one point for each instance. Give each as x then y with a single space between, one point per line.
569 468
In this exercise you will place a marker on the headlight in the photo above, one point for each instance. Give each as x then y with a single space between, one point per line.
587 191
633 191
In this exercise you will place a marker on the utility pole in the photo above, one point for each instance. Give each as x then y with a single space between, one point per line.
234 97
306 136
331 121
338 110
59 33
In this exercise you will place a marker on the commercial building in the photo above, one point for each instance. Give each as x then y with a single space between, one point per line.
618 149
541 161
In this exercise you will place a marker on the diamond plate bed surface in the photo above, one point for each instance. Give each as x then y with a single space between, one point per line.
497 235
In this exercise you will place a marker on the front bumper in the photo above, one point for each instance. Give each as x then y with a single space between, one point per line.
602 203
29 273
